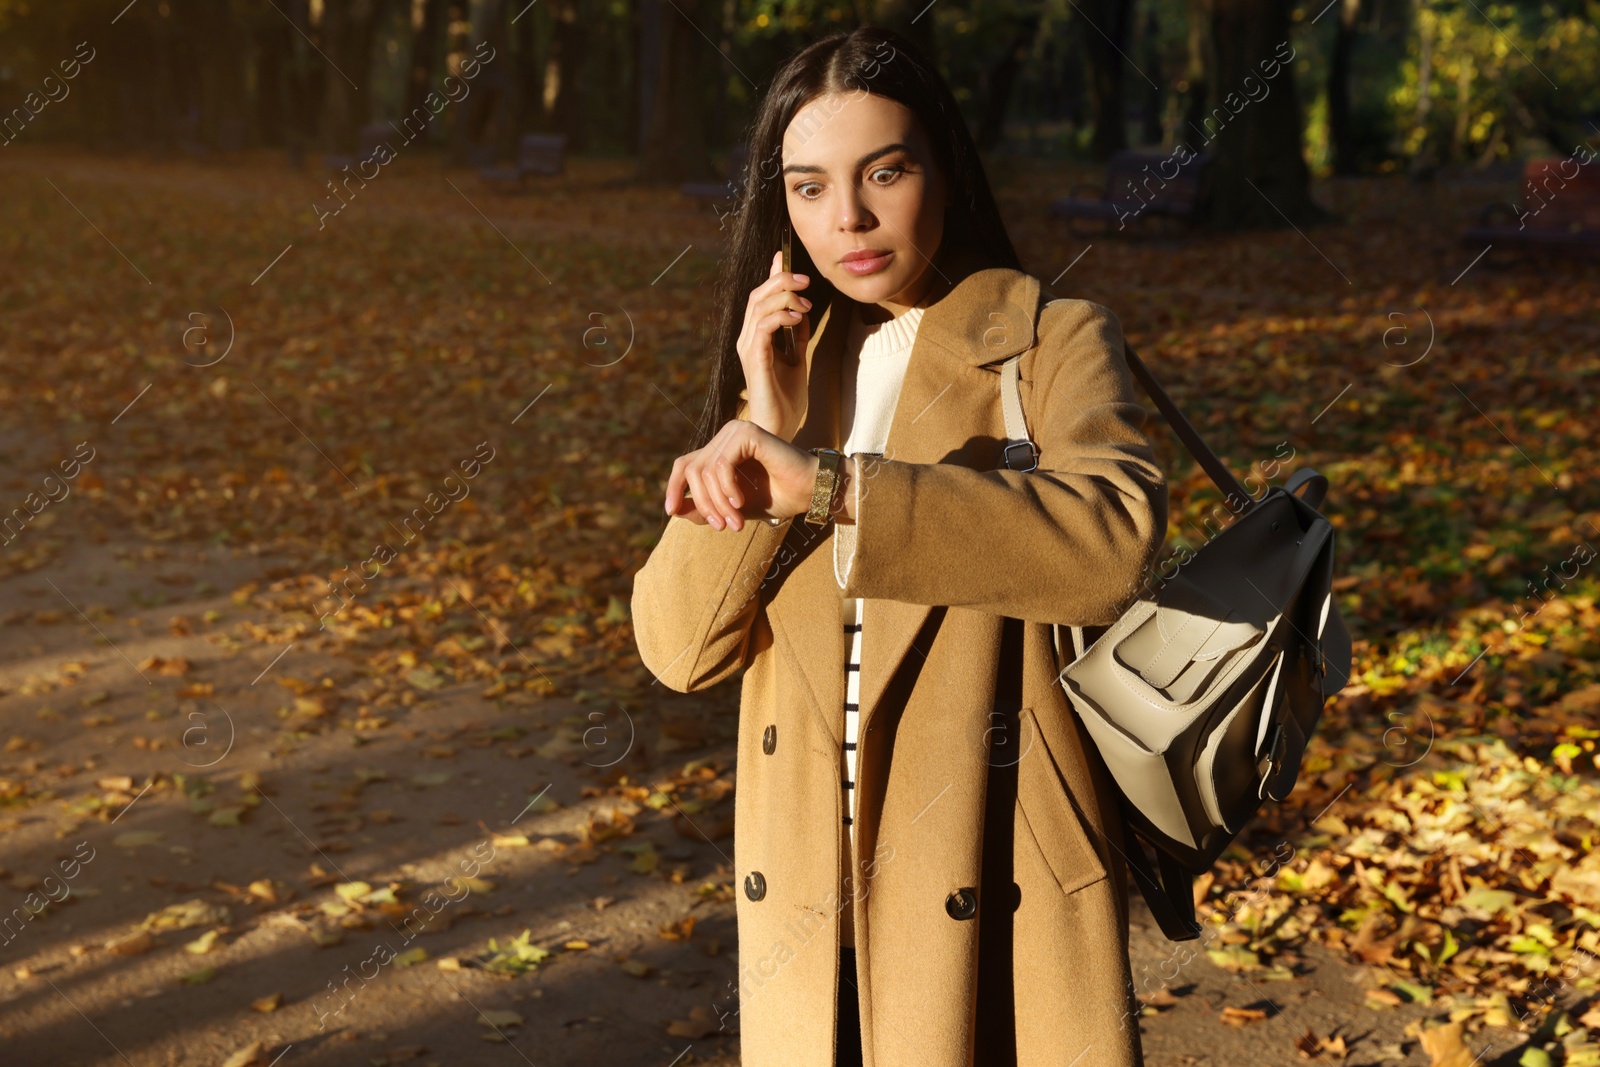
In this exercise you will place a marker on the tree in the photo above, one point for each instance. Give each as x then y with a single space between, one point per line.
346 32
675 148
1259 177
1002 77
1198 69
427 50
472 126
1150 53
1341 136
1105 45
571 46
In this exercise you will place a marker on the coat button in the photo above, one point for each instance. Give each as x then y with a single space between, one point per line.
963 903
755 886
769 739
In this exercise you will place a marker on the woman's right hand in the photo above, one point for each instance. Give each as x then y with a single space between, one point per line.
777 391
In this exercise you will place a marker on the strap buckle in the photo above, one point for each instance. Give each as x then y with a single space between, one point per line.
1033 455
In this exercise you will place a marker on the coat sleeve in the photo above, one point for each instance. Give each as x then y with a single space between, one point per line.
696 596
1064 543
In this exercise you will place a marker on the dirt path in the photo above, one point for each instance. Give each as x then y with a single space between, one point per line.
108 716
441 785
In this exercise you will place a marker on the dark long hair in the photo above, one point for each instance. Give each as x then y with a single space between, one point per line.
872 59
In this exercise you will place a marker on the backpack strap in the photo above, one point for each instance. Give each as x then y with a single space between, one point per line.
1170 894
1020 450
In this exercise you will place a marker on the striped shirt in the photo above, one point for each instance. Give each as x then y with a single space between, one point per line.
875 364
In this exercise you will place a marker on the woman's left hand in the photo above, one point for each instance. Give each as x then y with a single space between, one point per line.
744 472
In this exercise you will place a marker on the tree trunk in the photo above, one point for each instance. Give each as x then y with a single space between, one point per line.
1105 44
516 69
1003 78
427 48
1426 158
725 42
1202 61
212 85
647 61
1259 178
571 46
274 56
471 124
1341 136
675 148
1150 51
346 40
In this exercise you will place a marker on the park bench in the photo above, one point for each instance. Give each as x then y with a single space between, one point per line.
537 153
1137 194
738 159
1559 210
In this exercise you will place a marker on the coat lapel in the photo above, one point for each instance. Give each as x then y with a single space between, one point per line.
818 639
982 317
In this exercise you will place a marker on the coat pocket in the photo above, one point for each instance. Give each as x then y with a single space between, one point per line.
1052 818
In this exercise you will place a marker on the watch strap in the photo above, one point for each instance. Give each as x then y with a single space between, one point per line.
826 485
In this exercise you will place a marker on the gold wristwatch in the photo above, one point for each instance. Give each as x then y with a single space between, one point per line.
827 484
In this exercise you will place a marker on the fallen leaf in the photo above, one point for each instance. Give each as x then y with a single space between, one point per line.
132 944
246 1056
182 916
1234 958
702 1022
226 816
203 944
681 930
1445 1048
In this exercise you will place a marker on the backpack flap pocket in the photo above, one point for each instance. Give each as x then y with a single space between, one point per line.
1189 637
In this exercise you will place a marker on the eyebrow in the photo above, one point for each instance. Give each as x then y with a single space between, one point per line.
807 168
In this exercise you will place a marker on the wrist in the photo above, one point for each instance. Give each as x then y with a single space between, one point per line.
778 427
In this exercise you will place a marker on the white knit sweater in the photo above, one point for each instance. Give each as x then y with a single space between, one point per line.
875 365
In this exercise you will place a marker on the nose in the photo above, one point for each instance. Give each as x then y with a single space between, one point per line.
855 214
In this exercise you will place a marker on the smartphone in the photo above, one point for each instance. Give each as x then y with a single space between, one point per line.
790 355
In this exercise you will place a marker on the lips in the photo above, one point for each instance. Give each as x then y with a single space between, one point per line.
865 261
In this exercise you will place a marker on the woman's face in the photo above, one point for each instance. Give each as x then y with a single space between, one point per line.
859 177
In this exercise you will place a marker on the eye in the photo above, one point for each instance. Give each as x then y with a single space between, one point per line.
801 189
894 169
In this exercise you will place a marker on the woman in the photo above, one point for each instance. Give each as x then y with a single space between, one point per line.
921 843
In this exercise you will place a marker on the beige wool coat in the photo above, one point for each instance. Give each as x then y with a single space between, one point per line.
991 905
